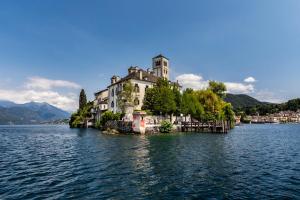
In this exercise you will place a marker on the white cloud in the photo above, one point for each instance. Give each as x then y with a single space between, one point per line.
41 90
192 81
65 102
46 84
268 96
197 82
250 79
239 88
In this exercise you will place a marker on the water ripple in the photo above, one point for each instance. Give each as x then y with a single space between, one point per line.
55 162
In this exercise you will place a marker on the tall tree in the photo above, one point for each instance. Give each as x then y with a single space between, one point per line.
149 99
218 88
82 99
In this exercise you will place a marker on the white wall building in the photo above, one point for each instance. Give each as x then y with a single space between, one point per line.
140 79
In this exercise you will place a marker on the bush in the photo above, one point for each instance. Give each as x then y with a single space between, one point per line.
165 127
108 115
98 124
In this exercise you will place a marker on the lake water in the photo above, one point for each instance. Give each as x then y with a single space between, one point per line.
55 162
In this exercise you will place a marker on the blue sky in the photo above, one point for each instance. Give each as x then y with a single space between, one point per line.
67 45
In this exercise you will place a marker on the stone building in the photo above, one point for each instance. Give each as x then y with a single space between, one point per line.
100 103
141 80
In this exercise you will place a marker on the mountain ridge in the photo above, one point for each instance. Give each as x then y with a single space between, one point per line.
30 113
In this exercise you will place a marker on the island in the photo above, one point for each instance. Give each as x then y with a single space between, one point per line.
147 101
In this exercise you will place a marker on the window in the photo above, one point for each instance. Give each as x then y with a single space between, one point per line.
165 63
157 63
136 102
146 88
112 104
112 92
136 88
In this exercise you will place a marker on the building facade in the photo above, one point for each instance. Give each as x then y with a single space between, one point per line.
100 103
140 79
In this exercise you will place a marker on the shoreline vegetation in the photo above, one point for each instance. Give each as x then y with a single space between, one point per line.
168 107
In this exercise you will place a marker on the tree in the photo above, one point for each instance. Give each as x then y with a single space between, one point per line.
149 99
125 96
177 98
160 99
80 116
218 88
211 102
82 99
191 105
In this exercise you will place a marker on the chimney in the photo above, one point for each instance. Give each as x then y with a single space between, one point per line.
130 70
141 74
113 79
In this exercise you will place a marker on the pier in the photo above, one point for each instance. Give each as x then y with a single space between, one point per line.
206 127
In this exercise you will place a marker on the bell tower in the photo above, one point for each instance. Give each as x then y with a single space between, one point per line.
160 66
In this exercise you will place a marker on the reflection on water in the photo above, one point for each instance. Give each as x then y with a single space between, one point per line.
253 161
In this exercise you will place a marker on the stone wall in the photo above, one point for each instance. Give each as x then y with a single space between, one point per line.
120 126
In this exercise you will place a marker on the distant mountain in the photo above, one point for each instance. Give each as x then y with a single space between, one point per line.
242 100
30 113
7 104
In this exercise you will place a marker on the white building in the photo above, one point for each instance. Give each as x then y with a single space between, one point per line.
140 79
100 103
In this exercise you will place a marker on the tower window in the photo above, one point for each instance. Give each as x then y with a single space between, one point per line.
165 63
157 63
112 104
136 88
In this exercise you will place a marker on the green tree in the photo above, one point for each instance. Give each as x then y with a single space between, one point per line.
211 102
228 114
78 118
149 99
191 105
160 99
218 88
82 99
177 99
125 96
109 115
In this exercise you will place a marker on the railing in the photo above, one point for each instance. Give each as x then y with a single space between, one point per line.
213 127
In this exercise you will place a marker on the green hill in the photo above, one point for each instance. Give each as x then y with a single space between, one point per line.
242 101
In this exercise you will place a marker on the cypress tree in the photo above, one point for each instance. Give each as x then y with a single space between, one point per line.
82 99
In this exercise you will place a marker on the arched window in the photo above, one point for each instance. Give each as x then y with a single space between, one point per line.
136 101
136 88
146 88
112 104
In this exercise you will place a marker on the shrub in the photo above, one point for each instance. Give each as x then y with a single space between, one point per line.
98 124
165 127
108 115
